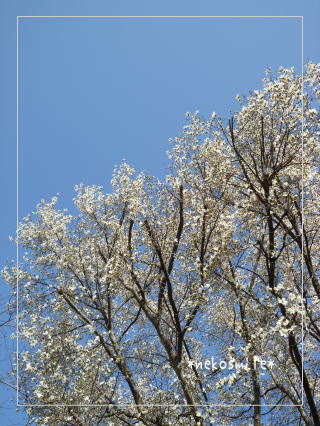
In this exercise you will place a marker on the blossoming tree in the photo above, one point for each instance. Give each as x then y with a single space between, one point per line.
193 300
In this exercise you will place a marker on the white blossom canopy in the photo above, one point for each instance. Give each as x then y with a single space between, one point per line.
123 306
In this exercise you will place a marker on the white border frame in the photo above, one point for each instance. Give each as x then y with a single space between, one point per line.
17 206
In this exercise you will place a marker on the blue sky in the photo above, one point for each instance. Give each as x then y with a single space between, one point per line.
95 91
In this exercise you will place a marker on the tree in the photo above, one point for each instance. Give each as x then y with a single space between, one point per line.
132 301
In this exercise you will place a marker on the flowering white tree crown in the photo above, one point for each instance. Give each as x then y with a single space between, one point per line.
164 298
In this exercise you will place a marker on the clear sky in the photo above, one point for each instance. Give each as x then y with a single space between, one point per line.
93 91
